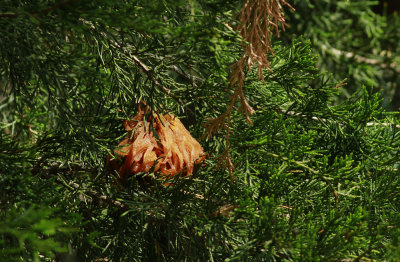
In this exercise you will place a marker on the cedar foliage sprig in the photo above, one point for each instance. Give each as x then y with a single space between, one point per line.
256 21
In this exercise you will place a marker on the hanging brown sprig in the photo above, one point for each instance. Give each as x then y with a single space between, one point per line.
257 20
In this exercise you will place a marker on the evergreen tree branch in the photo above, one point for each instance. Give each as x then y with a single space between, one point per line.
191 78
150 74
361 59
257 19
55 169
293 113
146 69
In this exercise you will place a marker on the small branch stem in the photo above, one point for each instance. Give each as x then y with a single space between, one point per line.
360 59
146 69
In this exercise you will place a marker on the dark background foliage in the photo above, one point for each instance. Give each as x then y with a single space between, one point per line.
316 174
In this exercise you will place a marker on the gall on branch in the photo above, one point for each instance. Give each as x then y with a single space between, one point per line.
160 144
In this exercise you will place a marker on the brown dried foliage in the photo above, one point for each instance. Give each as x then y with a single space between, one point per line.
174 152
257 20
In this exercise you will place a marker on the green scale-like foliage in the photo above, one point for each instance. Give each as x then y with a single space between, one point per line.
325 168
314 180
352 42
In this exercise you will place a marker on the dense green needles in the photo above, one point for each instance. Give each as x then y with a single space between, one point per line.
315 175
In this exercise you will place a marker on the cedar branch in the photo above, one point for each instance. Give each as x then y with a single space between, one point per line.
146 69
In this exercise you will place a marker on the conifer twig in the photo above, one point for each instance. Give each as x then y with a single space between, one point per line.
361 59
55 169
146 69
368 124
149 73
257 20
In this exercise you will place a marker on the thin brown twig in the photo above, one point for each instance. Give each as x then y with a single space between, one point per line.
361 59
149 73
101 198
194 80
368 124
257 19
146 69
55 169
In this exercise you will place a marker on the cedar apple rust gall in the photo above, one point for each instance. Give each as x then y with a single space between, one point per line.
173 152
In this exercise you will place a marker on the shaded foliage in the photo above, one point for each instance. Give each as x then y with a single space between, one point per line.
316 177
